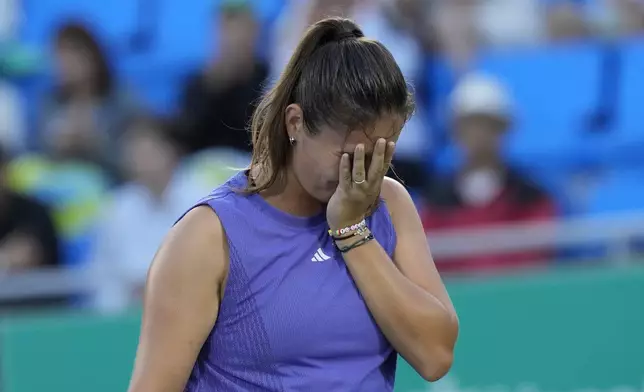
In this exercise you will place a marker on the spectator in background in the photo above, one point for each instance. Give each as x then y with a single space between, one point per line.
27 235
486 190
295 18
567 19
629 14
457 32
78 156
465 26
140 212
503 23
83 116
74 192
218 100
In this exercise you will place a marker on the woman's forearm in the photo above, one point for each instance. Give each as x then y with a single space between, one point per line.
417 324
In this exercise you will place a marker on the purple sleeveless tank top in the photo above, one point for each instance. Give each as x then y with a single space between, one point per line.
291 318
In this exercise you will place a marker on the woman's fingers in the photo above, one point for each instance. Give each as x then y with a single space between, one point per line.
377 167
359 174
389 155
381 159
345 171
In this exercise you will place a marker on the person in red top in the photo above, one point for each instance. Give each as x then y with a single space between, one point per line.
485 190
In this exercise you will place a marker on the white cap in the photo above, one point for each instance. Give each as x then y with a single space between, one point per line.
481 94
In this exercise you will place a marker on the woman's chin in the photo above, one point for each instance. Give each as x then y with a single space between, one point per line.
324 195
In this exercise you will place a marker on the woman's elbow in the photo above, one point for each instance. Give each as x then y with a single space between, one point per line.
437 366
438 356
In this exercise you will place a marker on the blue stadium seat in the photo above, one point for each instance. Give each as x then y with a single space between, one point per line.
114 21
154 82
619 191
187 32
555 91
438 83
628 141
179 31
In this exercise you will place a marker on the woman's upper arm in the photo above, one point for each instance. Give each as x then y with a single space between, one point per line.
412 255
182 296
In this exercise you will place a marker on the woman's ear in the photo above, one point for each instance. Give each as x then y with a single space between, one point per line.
294 121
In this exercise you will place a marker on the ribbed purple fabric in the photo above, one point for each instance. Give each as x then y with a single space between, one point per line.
291 318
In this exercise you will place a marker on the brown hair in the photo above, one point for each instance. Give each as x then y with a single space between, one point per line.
340 79
78 35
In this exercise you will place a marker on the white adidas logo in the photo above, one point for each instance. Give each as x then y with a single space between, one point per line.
319 256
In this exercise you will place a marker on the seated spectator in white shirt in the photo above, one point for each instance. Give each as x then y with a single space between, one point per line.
486 189
141 211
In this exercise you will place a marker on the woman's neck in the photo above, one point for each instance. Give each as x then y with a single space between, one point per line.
288 195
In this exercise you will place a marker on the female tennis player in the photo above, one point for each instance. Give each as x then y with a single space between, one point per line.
310 270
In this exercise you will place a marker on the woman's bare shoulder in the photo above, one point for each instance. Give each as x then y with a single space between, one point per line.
181 301
393 192
195 248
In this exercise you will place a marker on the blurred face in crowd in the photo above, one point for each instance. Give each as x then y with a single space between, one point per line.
75 63
566 21
323 8
630 14
410 8
238 35
149 157
480 136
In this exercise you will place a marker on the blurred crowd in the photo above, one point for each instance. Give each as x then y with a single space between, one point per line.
94 175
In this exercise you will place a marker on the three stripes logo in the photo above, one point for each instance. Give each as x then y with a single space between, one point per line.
319 256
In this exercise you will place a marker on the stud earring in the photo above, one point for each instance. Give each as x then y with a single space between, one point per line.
291 140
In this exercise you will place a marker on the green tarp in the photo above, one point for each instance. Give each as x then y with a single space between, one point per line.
576 330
